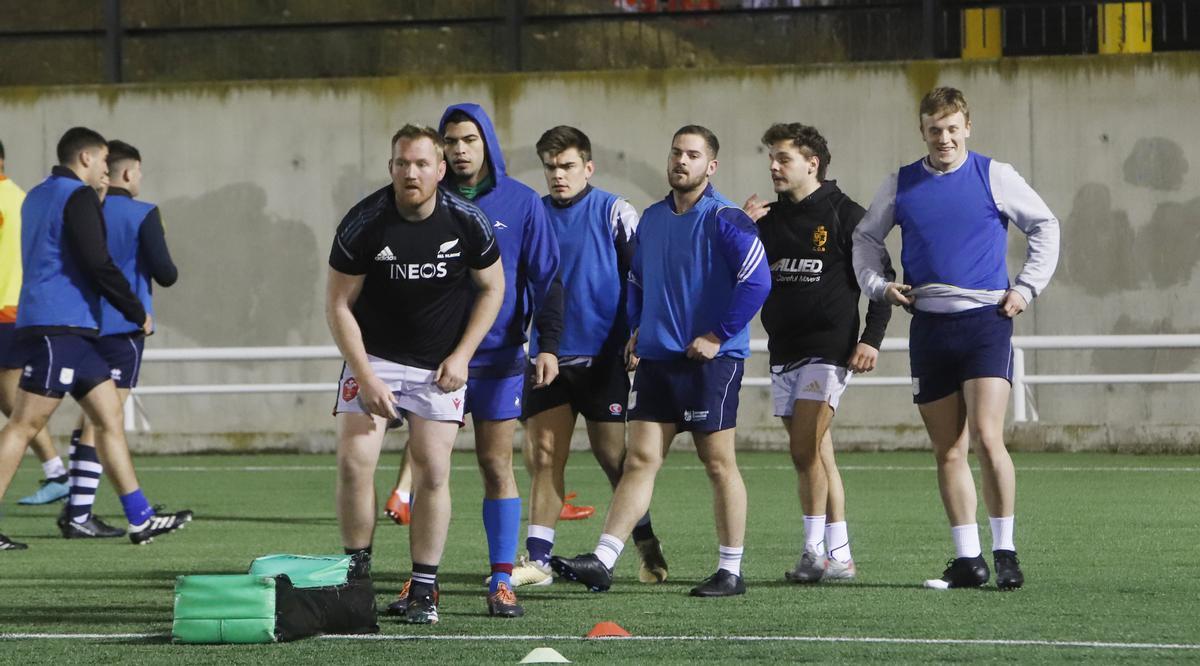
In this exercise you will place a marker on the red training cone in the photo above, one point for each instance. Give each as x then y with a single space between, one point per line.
608 630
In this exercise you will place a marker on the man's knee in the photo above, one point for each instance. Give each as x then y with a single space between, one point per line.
642 459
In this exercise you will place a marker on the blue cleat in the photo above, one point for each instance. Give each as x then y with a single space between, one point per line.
51 491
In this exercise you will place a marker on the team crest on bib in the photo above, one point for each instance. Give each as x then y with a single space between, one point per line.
349 389
819 238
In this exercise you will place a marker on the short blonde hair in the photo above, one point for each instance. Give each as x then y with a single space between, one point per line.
412 132
944 101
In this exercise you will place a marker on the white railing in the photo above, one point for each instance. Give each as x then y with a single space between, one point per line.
1021 395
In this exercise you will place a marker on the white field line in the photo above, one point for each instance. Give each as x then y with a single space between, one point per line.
1099 645
686 468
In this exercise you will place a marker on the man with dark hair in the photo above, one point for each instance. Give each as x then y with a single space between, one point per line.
812 324
415 282
495 390
953 208
697 278
596 239
54 486
138 246
68 271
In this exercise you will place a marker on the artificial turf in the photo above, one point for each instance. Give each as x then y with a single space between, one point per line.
1108 544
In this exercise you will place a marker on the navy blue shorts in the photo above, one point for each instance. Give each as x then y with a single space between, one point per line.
123 353
8 346
55 365
494 398
946 350
695 396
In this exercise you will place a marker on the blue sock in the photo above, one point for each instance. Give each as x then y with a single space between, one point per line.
538 549
137 509
502 524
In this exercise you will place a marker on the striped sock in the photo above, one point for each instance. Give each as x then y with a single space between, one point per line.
729 558
424 577
609 549
539 543
85 479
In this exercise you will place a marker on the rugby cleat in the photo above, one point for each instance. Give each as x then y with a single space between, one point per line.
1008 570
8 544
574 512
720 584
809 568
961 572
92 528
400 512
654 565
503 603
51 491
159 524
836 570
422 605
528 572
400 605
586 569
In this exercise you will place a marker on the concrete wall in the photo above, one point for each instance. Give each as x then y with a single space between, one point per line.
253 178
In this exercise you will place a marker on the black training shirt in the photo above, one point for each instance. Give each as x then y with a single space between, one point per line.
417 293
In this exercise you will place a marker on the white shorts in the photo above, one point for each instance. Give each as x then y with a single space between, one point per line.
823 382
414 390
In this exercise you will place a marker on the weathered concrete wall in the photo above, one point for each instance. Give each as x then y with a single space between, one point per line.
253 178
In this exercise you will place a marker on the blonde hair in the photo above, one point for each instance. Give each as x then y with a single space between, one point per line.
944 101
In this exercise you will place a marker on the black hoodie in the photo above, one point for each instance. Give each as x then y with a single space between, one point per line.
812 311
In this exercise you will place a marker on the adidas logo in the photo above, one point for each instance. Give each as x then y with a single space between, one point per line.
813 387
385 254
500 225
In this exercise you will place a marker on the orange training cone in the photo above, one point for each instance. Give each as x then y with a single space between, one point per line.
608 630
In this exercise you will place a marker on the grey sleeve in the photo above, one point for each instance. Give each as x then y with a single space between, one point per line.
1024 208
870 254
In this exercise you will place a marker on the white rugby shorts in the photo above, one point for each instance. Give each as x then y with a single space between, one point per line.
822 382
414 390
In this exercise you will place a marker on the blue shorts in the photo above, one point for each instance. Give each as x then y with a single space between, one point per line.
946 350
54 365
123 353
8 346
695 396
495 398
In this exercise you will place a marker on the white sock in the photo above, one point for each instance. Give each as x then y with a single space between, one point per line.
966 540
814 534
730 559
837 541
53 468
609 549
1002 533
540 532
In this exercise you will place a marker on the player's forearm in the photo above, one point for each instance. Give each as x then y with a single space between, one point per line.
347 335
748 298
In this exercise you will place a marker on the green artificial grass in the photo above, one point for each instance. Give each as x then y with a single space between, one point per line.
1108 545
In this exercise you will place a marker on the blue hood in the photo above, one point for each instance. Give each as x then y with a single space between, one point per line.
495 156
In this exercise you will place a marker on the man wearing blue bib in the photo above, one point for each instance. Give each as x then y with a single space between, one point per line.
698 277
953 208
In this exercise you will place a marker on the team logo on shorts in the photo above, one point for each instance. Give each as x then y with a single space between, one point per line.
457 402
819 238
115 373
697 415
349 389
916 386
615 409
28 371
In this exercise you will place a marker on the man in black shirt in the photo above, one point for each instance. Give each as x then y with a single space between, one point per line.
812 323
415 282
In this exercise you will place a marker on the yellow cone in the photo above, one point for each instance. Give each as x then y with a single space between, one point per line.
544 655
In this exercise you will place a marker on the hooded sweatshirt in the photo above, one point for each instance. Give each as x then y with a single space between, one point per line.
528 252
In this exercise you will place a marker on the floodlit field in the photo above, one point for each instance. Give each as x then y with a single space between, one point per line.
1108 543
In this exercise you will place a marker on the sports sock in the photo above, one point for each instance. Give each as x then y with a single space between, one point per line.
837 541
539 542
1002 533
54 470
730 559
502 524
608 549
643 531
966 540
85 479
424 576
137 509
814 534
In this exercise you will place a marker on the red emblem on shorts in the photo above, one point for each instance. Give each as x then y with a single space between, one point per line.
614 409
457 402
349 390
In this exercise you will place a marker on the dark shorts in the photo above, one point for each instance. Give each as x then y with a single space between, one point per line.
8 346
123 353
599 391
54 365
946 350
494 398
695 396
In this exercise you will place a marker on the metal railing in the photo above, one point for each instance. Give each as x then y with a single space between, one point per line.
1021 394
